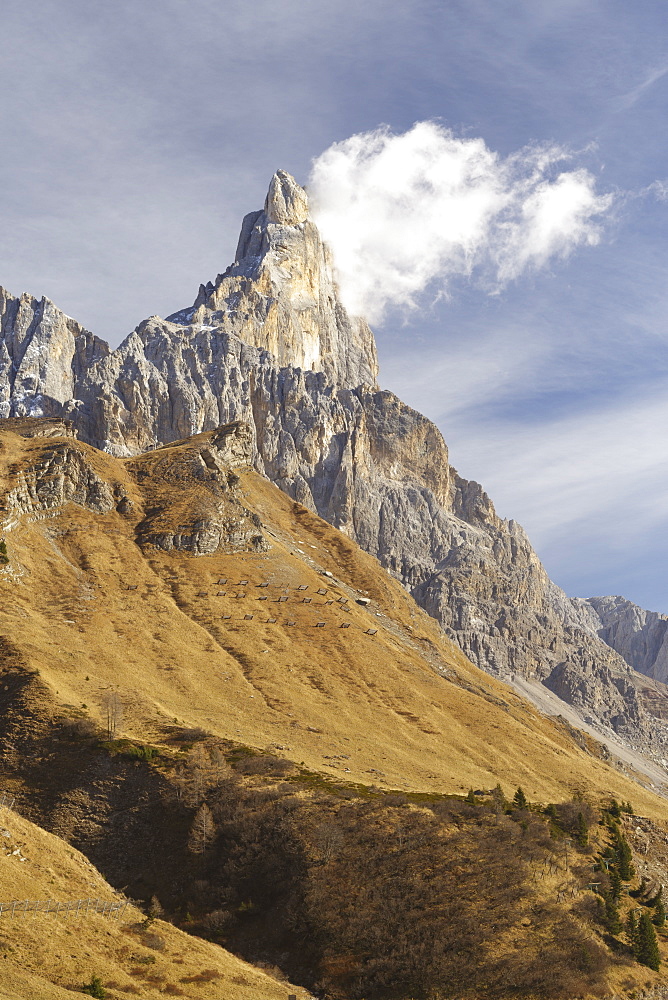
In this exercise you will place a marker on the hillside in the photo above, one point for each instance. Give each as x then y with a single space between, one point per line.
47 956
93 605
227 704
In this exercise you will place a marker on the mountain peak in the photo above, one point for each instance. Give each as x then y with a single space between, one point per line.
286 203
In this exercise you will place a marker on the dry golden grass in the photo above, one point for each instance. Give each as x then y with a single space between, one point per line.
316 693
45 957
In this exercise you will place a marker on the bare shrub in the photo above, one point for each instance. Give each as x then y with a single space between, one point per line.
112 707
217 921
152 940
80 729
261 765
205 976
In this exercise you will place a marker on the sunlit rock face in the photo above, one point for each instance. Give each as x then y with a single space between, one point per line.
269 344
44 356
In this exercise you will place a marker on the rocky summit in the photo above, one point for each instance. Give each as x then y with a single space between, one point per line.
269 344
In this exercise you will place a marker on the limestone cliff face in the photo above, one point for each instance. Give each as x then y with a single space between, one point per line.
639 636
44 356
269 345
280 295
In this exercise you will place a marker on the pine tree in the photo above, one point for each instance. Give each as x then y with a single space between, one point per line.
624 858
95 988
659 917
648 946
615 884
498 799
632 932
637 893
582 835
470 798
520 799
611 918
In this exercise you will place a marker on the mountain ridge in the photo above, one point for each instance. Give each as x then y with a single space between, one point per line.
329 438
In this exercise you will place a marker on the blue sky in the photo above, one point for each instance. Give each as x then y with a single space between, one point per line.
136 136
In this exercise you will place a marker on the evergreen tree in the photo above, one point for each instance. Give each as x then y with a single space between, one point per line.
624 858
498 799
632 932
637 893
655 898
95 988
520 799
615 884
615 809
470 798
611 917
648 946
582 835
659 918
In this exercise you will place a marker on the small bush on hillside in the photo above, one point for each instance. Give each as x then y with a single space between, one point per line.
80 729
575 818
152 940
142 753
95 989
274 766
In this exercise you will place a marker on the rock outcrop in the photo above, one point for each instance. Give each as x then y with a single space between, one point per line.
186 494
639 636
44 357
191 499
269 345
62 475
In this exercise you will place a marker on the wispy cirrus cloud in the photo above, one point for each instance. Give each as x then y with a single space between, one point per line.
632 96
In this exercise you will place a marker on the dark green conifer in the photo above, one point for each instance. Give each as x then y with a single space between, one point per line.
582 835
611 917
470 798
624 857
648 946
632 932
637 893
615 884
520 799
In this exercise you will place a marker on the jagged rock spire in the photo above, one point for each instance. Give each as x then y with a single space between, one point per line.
286 203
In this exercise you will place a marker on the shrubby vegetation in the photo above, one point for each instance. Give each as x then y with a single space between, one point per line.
359 893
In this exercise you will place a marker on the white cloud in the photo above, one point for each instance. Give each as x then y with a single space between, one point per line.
403 212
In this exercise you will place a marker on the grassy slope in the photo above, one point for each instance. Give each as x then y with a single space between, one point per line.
316 693
44 957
